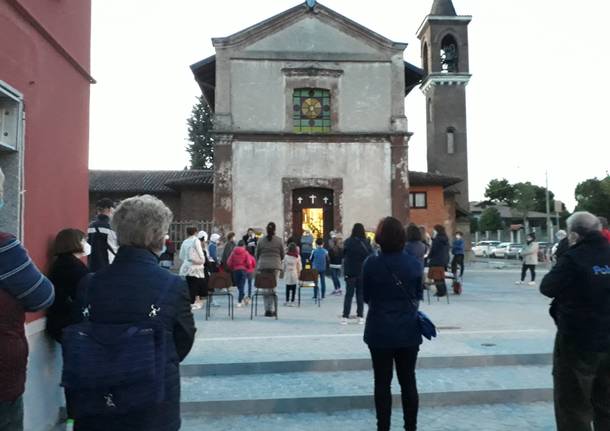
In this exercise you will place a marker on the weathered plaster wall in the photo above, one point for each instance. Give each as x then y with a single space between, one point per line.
258 95
257 190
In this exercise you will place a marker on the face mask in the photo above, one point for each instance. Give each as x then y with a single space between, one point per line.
458 236
86 248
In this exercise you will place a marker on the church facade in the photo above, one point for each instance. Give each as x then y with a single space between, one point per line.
310 124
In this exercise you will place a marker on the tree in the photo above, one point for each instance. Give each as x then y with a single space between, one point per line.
525 200
500 192
474 225
593 195
539 197
491 220
201 146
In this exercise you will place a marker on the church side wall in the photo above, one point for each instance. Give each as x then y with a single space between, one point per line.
257 190
259 97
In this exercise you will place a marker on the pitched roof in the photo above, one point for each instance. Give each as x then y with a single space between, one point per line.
443 8
505 211
428 179
102 181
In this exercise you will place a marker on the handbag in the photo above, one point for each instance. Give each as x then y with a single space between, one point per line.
426 326
194 257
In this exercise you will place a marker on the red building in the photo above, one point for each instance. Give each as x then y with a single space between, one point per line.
44 129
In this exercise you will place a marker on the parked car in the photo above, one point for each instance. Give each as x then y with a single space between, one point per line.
499 250
483 248
506 250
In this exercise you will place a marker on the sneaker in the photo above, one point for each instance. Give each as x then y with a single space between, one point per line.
196 306
344 321
360 321
240 304
531 283
518 282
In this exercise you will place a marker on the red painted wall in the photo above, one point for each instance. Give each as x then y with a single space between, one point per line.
435 213
56 98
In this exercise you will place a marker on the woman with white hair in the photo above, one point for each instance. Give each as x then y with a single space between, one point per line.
193 265
122 294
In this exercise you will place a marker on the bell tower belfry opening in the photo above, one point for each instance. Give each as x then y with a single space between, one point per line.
444 42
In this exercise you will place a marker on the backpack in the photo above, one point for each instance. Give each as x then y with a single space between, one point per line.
111 369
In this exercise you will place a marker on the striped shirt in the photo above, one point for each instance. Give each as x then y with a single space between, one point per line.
20 278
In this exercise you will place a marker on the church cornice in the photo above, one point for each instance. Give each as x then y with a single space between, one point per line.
442 19
312 72
310 138
442 79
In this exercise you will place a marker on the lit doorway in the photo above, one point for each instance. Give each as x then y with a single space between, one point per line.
313 221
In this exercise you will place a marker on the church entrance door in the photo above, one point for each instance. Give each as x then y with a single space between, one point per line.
312 210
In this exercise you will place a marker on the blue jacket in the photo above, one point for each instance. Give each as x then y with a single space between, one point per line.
319 259
458 246
119 293
355 251
392 320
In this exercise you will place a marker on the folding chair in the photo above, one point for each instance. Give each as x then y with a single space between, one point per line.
263 280
309 279
433 282
219 285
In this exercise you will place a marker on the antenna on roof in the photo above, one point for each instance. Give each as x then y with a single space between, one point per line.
311 4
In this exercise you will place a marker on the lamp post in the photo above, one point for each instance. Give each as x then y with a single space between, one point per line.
549 224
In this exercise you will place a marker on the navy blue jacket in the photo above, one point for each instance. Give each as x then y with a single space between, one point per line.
580 285
392 320
439 252
355 252
120 292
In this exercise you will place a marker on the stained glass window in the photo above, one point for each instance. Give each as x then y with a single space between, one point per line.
311 110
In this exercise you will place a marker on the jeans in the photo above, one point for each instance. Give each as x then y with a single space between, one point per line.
291 290
322 285
353 284
582 387
383 368
335 273
458 259
11 415
239 277
250 279
305 258
532 269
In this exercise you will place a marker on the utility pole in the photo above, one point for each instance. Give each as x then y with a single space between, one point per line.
549 224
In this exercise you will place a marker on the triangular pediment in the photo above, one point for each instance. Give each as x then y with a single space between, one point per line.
302 29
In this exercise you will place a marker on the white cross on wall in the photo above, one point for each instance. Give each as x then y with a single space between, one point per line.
300 200
313 199
325 201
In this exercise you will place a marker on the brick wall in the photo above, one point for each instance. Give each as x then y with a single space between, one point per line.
440 210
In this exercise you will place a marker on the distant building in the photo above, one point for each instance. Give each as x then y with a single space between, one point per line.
513 221
44 137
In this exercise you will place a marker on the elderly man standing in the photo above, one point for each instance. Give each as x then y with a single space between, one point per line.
580 286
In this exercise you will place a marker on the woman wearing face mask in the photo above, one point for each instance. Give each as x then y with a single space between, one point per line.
529 255
439 259
66 272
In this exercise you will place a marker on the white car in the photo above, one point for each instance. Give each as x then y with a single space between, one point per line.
500 250
483 248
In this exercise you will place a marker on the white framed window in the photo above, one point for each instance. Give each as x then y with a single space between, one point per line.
12 119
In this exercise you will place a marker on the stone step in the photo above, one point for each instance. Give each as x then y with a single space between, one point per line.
326 365
487 417
348 390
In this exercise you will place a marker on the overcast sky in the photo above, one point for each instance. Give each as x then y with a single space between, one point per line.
537 100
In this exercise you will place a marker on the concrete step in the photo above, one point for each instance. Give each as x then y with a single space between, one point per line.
348 390
487 417
349 364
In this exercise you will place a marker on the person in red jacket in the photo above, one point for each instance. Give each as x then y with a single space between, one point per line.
605 231
240 263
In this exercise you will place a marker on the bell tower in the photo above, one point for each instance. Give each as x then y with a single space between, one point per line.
444 47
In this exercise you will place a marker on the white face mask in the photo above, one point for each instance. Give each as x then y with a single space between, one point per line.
86 248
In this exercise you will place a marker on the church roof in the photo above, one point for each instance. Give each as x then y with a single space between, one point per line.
139 182
430 179
443 8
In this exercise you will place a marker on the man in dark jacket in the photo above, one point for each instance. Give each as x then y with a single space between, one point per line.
22 288
355 251
101 237
580 286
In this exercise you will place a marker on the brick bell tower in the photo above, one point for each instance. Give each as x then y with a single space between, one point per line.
444 47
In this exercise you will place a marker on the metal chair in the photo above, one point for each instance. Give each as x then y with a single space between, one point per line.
219 285
264 280
308 278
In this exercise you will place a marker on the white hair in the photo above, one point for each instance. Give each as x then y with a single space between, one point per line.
583 222
142 221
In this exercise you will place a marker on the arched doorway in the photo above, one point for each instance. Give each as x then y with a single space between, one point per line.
313 210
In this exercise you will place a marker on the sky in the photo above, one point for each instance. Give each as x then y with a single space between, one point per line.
537 101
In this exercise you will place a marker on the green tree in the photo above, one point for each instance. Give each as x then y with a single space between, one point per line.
474 225
491 220
593 195
500 192
525 200
201 146
539 197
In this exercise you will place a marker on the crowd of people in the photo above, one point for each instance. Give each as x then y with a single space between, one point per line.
125 319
